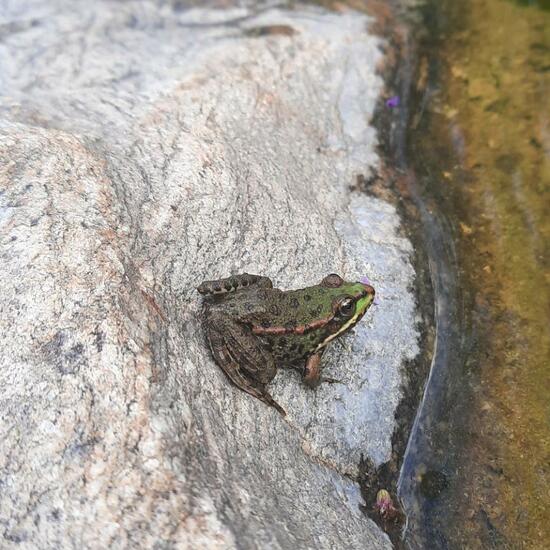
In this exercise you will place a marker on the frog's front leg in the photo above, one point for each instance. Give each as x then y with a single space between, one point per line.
235 282
312 371
238 352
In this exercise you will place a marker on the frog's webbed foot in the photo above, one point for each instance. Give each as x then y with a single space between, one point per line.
242 358
312 372
235 282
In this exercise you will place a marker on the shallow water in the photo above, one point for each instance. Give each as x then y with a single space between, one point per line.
477 470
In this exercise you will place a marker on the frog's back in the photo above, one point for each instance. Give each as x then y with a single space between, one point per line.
245 305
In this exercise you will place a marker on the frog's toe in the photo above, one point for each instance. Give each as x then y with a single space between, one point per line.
270 401
330 380
314 381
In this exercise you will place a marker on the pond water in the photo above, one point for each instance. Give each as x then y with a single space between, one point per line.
476 473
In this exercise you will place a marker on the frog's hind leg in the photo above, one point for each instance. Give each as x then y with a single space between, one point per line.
235 282
243 359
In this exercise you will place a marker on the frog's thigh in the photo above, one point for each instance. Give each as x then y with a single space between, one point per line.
248 353
242 358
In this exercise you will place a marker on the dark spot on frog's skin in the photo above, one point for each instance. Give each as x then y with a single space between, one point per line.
317 311
307 297
249 307
274 309
290 325
228 285
295 303
265 324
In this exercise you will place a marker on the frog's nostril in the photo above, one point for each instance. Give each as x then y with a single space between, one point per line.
369 289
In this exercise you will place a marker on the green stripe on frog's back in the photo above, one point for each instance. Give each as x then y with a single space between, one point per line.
296 311
293 341
307 310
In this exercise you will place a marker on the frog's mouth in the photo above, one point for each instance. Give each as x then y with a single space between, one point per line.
366 297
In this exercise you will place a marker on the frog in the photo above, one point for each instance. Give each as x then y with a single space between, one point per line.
253 329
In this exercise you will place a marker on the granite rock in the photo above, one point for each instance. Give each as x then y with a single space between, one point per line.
144 148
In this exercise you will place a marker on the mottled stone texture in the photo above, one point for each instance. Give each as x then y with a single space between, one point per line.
143 149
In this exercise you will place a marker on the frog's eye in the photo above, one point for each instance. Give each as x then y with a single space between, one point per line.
332 281
346 307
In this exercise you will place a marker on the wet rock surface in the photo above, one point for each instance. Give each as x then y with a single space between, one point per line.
144 149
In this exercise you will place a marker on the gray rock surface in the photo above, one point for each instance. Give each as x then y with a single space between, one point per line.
143 149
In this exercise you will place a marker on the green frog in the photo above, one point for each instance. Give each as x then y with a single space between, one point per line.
253 329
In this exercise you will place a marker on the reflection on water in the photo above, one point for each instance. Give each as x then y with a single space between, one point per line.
477 474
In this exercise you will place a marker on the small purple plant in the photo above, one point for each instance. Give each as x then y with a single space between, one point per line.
392 102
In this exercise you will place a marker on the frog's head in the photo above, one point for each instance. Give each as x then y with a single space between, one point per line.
317 314
343 305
